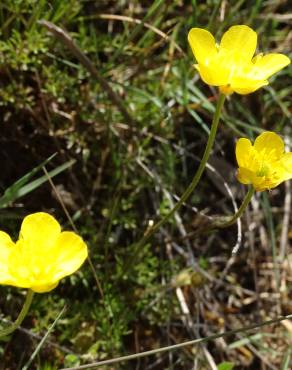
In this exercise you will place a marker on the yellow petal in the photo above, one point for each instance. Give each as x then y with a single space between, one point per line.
244 176
260 184
19 265
40 229
43 288
242 152
6 246
239 40
203 45
5 241
266 66
287 163
31 267
244 85
215 74
271 143
71 252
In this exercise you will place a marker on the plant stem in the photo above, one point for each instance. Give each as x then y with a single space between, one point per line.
242 208
190 188
45 337
179 345
21 316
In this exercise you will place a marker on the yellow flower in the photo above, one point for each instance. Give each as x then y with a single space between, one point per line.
231 65
42 255
265 164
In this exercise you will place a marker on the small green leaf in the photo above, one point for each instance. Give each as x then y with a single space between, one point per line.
11 193
226 365
22 187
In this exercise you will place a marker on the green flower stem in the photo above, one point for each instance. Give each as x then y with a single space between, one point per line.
242 208
189 189
21 316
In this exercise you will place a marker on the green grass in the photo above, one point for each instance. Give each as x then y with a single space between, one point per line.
49 103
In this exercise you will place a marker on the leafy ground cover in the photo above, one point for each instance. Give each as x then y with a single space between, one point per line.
122 164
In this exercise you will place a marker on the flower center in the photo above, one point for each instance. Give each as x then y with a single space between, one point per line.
263 171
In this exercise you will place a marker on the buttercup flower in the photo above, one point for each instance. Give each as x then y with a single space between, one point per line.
42 255
265 164
231 65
